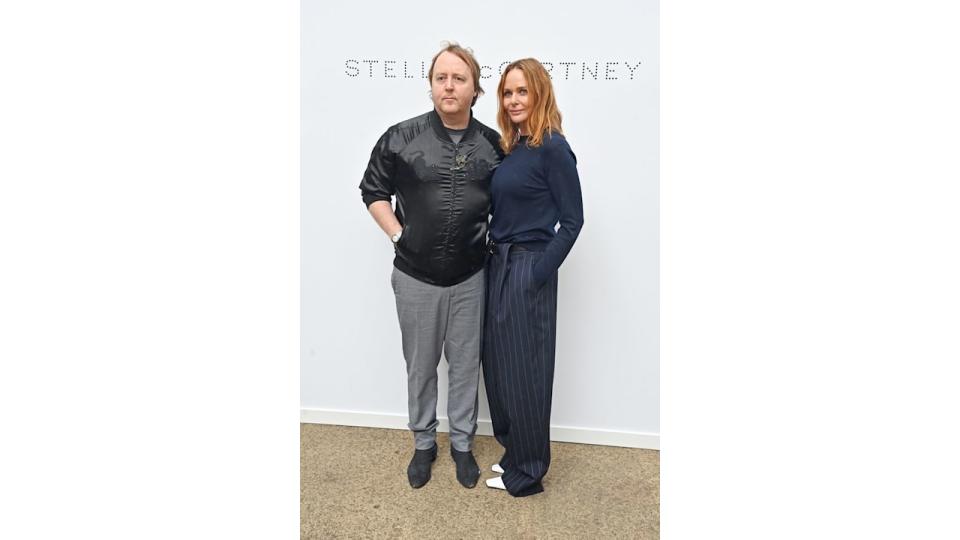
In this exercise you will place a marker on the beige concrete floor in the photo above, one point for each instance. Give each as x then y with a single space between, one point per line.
353 484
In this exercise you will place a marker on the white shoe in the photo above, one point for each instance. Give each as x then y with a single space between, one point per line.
496 483
497 468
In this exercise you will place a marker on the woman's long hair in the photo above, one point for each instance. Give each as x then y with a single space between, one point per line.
544 117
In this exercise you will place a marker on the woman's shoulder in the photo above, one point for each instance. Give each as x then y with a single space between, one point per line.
555 139
555 144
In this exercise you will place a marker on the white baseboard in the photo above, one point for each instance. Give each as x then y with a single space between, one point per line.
628 439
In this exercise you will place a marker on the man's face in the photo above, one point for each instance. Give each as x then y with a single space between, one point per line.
452 86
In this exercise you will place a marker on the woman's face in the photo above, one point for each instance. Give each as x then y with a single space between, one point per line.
516 100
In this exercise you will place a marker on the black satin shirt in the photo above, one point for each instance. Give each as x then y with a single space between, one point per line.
443 195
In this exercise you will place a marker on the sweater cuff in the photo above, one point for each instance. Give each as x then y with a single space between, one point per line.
541 272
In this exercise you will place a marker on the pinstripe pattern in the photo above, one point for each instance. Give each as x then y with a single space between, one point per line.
519 342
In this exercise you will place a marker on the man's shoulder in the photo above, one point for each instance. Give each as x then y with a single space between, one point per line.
398 135
486 130
491 135
417 123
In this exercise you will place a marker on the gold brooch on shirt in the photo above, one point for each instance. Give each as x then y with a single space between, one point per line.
459 161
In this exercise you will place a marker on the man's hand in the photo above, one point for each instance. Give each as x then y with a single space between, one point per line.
383 214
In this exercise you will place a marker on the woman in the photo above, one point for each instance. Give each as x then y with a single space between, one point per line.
535 187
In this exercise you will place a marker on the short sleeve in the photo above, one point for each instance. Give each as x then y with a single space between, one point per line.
377 183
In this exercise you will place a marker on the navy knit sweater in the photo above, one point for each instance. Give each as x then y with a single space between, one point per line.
532 190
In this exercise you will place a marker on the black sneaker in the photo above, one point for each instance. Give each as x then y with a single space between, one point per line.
418 472
467 469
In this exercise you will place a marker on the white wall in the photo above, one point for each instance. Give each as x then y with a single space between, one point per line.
606 389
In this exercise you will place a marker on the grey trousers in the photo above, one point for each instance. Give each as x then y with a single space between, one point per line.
435 319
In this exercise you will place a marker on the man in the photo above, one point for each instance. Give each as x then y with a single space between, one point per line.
439 166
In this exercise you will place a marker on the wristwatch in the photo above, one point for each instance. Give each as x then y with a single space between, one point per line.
396 237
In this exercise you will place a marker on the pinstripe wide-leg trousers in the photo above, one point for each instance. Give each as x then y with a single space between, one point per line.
519 342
